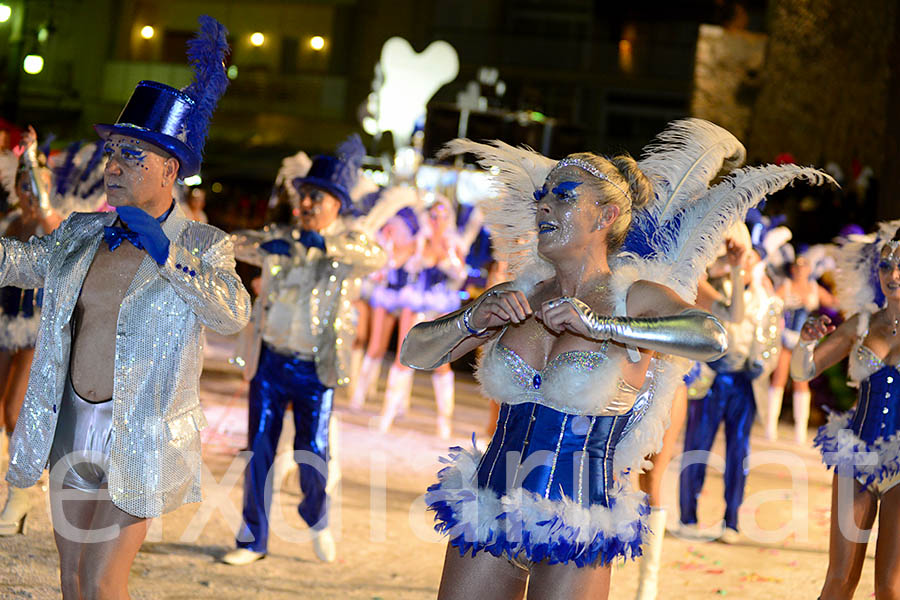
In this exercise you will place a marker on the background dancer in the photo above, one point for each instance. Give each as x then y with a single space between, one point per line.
306 334
802 296
863 444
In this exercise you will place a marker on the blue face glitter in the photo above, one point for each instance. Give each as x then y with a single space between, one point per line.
565 190
539 194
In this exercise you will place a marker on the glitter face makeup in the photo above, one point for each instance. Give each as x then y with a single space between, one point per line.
318 208
135 171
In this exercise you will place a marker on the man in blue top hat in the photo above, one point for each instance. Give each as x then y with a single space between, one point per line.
112 402
312 274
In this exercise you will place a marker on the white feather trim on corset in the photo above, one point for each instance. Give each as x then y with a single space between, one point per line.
19 332
856 274
644 433
391 202
479 513
510 215
840 447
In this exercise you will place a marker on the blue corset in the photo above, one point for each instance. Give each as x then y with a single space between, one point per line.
794 318
16 302
397 278
431 277
877 412
552 453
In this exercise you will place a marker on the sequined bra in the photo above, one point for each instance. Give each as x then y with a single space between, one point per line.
577 382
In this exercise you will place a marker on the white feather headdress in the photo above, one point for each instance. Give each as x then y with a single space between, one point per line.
9 162
509 213
78 179
292 167
856 277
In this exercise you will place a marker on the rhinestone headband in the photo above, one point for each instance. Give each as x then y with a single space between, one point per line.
894 245
586 166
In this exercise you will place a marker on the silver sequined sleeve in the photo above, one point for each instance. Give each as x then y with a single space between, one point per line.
24 264
202 272
355 249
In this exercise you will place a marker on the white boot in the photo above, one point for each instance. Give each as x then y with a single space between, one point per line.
334 458
356 359
649 577
396 395
444 393
368 372
12 519
323 546
773 411
801 416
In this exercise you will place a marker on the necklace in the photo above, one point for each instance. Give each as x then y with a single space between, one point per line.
894 327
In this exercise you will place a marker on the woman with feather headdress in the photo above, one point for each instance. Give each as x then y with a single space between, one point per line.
862 445
583 349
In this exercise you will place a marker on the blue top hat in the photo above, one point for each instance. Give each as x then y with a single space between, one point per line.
337 175
176 120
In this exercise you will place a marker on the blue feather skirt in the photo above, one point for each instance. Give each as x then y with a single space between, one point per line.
544 491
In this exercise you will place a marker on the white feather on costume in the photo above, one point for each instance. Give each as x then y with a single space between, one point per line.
292 167
392 200
9 162
84 190
684 159
510 216
856 277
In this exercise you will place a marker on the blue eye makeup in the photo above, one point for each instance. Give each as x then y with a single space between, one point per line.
885 265
565 190
539 194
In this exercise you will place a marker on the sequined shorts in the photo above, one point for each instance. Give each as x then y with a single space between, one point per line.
80 452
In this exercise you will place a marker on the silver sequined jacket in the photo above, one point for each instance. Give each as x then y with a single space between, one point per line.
155 450
336 276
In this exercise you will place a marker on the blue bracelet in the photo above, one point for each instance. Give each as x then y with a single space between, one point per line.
466 314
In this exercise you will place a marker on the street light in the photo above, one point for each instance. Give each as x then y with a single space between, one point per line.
257 39
33 64
5 13
147 32
317 42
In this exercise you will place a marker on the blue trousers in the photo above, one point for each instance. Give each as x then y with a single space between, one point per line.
730 399
281 380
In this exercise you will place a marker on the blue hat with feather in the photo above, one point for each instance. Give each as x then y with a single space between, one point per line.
174 120
337 175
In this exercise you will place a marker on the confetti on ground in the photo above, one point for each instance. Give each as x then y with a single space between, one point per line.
757 578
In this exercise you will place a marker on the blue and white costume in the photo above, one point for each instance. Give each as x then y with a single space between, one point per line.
864 442
553 484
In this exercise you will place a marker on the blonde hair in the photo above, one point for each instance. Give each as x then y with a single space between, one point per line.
625 186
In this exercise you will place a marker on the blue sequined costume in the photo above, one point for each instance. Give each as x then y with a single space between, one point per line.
864 443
